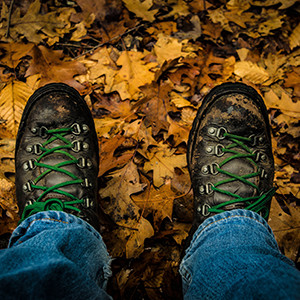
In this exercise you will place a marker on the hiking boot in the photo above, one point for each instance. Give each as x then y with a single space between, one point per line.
230 154
57 155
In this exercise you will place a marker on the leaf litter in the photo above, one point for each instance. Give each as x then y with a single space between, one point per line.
143 68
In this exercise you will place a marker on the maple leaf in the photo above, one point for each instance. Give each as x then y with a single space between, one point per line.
12 102
158 202
52 68
14 52
163 162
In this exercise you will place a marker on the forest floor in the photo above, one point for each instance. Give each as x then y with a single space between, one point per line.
143 67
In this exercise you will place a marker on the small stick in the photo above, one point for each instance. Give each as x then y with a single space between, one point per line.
102 44
9 17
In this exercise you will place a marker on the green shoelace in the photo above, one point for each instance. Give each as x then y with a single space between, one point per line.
54 203
258 204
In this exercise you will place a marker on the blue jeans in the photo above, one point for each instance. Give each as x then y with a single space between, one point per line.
233 255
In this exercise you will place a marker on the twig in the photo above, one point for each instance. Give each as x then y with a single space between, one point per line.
114 38
9 17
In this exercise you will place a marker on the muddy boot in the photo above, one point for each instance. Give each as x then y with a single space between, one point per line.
230 154
57 155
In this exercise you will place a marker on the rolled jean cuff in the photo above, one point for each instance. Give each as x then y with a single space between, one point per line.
47 220
223 221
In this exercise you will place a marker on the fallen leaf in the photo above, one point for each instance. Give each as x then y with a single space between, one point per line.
52 24
141 9
52 68
14 52
124 212
286 229
251 72
12 102
157 202
108 160
168 48
163 162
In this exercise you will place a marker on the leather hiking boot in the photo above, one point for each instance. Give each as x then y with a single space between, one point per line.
57 156
230 154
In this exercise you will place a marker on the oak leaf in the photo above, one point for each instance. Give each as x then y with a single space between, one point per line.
14 52
162 162
158 202
52 24
124 212
141 9
13 98
134 71
286 229
108 160
179 132
168 48
52 68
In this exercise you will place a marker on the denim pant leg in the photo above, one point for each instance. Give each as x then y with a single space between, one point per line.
234 255
54 255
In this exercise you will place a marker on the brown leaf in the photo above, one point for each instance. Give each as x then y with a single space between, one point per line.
292 80
286 229
134 229
14 52
107 159
52 68
159 202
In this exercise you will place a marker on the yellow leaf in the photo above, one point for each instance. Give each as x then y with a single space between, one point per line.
108 127
12 102
52 24
134 71
295 37
141 9
162 163
285 104
251 72
168 48
179 101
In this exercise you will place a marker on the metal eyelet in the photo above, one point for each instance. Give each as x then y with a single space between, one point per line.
35 149
87 202
86 183
218 150
77 146
206 188
255 140
29 202
204 210
27 187
43 132
76 128
29 165
217 132
84 162
259 156
210 169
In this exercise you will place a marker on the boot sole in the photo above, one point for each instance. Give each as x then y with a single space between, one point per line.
211 97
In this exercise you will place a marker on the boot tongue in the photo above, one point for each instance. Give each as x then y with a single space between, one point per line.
239 167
